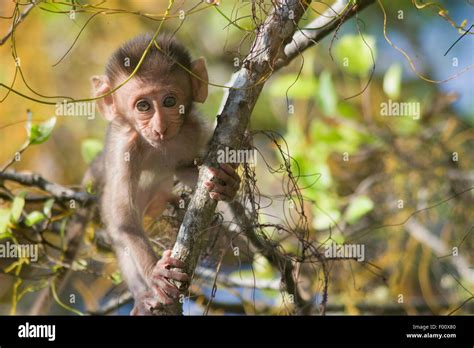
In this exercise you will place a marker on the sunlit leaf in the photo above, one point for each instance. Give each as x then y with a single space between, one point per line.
79 265
392 81
17 207
39 133
34 217
116 277
89 187
405 126
90 148
338 238
358 208
327 95
62 232
298 87
347 110
4 219
48 206
321 132
262 267
326 219
354 55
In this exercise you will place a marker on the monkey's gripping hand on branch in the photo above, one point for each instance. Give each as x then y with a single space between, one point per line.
162 290
223 187
229 185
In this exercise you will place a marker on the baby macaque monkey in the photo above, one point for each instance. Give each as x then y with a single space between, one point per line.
154 134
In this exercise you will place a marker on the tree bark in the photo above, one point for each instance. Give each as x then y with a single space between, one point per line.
269 44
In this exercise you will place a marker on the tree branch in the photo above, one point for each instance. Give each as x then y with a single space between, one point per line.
271 37
57 191
327 22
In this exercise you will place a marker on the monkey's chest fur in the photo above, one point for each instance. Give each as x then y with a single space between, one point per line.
159 172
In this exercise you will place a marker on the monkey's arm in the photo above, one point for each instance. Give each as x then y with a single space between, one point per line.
120 215
146 275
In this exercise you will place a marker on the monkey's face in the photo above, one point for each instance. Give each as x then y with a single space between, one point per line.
157 108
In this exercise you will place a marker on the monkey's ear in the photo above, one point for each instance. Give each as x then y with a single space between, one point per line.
199 82
100 86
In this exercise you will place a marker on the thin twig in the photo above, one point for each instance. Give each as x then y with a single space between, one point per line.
18 21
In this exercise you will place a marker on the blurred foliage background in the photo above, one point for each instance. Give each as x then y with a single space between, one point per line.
400 186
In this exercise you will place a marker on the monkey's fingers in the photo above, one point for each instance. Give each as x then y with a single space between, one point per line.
220 192
232 180
168 261
173 274
219 197
167 253
230 170
160 284
158 300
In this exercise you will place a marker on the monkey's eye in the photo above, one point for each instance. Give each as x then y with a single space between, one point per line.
143 105
169 102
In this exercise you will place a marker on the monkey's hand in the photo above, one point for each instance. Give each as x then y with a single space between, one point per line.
226 190
162 290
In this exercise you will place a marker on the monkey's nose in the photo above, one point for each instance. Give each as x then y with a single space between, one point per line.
159 133
159 127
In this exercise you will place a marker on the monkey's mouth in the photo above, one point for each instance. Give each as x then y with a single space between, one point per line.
156 143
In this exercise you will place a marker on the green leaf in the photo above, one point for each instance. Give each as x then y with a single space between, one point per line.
354 55
17 207
48 206
79 265
39 133
90 148
263 269
34 217
321 132
89 186
298 87
405 126
392 81
116 277
358 208
62 232
4 219
325 219
327 94
338 238
347 110
6 235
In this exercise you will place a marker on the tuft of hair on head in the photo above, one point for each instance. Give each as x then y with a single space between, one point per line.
157 63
